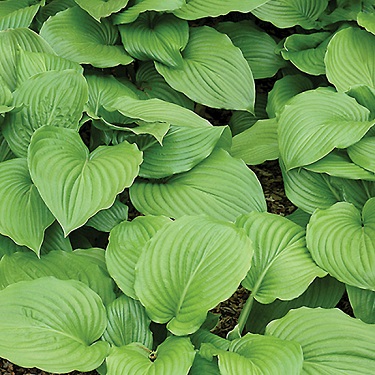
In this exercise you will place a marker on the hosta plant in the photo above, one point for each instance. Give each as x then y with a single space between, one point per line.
128 209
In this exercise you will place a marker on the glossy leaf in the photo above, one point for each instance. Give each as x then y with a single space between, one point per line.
141 6
362 153
315 122
342 241
66 174
363 303
158 37
127 323
258 143
126 244
196 249
173 357
99 9
214 72
195 9
332 342
23 215
219 186
289 13
346 45
62 317
266 355
76 36
258 48
282 266
44 101
307 51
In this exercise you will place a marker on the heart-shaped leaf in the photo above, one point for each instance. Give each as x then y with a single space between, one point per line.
219 186
23 215
363 303
349 59
76 36
127 323
158 37
43 101
72 319
173 357
342 242
315 122
282 266
75 184
196 249
214 72
126 244
332 342
100 9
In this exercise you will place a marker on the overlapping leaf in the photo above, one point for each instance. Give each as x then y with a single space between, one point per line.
362 153
127 323
66 174
315 122
258 48
363 303
126 243
76 36
342 241
100 9
332 342
219 186
23 215
214 72
158 37
173 357
349 59
44 101
282 266
54 239
61 317
201 254
367 20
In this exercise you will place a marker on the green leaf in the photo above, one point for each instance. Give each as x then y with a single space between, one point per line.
365 96
367 20
289 13
338 233
63 318
43 101
203 366
18 13
315 122
195 9
23 215
349 59
258 143
63 265
266 355
154 86
51 8
131 14
173 357
362 153
127 323
363 303
9 247
66 174
307 51
126 244
99 9
197 249
13 40
219 186
285 89
214 72
339 164
158 37
31 63
256 45
76 36
332 342
310 190
299 217
105 220
282 266
54 240
6 97
325 292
